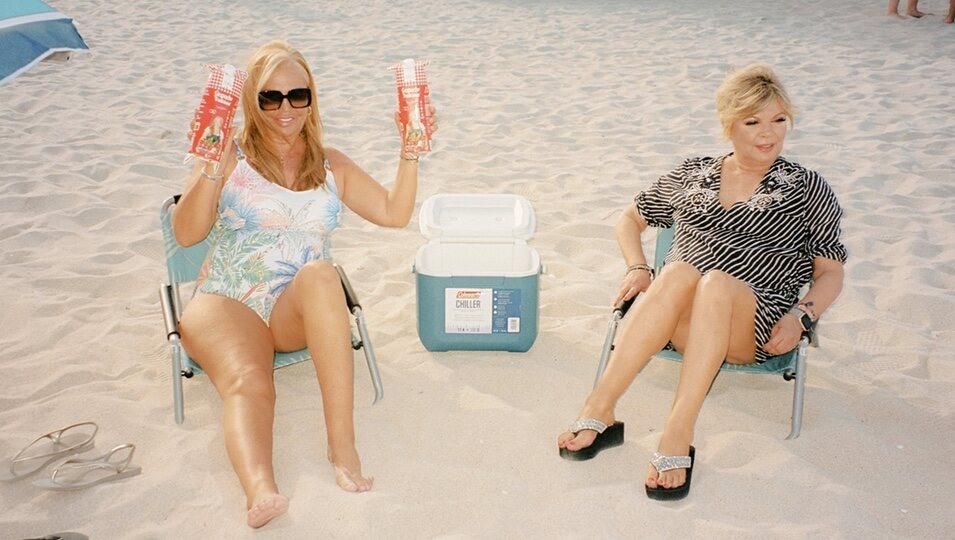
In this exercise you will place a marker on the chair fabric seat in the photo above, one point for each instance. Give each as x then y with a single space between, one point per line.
282 359
776 365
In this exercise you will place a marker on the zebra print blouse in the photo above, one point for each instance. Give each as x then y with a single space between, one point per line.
768 241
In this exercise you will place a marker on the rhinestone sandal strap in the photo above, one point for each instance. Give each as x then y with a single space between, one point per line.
588 423
667 463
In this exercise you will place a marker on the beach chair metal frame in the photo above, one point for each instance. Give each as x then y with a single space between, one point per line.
183 265
792 365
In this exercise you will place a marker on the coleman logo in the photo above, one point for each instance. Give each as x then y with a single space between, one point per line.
467 300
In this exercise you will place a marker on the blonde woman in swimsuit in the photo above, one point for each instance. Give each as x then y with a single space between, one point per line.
268 284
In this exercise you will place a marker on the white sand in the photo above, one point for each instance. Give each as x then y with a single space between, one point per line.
575 105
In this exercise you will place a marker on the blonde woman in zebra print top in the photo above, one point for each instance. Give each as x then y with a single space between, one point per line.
757 246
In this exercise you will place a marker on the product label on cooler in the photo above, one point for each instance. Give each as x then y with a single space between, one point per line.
507 311
482 311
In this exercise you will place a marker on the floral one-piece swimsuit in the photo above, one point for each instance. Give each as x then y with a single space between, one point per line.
264 234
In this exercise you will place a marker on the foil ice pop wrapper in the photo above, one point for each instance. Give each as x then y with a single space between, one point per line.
412 85
217 107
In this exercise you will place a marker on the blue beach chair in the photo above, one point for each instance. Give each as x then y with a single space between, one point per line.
792 365
183 264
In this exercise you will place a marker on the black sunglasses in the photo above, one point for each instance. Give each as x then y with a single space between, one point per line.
298 98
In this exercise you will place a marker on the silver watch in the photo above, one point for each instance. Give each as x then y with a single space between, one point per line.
805 320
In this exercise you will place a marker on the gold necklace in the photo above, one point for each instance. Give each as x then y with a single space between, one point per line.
284 158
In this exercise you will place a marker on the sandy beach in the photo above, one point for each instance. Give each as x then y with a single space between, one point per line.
576 106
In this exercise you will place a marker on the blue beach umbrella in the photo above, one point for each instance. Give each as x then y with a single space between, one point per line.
30 31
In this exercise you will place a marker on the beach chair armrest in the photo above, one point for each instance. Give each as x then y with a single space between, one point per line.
812 335
168 310
624 307
350 297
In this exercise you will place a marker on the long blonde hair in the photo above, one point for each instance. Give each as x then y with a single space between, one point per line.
745 92
253 139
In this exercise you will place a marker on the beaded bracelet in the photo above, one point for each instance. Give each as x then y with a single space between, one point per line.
408 156
633 267
210 177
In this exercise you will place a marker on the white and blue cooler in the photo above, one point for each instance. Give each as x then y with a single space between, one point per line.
477 279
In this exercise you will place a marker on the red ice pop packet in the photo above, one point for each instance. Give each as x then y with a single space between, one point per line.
413 110
213 118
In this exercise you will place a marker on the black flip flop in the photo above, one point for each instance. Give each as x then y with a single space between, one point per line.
607 437
679 492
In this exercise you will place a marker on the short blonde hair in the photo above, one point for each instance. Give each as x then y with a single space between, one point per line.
747 91
261 66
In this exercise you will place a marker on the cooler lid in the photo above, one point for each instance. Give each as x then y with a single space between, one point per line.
491 216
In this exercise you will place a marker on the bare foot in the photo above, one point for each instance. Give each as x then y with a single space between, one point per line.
348 472
916 13
895 15
671 444
266 509
574 443
351 481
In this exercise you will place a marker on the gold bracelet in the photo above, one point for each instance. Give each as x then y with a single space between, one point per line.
633 267
408 156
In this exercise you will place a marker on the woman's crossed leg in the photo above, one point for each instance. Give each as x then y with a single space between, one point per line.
707 317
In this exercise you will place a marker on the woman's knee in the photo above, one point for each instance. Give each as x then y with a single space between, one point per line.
718 287
321 275
249 382
716 282
678 276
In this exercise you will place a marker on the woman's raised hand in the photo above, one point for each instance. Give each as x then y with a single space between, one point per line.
229 154
432 124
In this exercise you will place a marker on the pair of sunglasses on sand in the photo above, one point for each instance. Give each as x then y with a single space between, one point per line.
298 98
